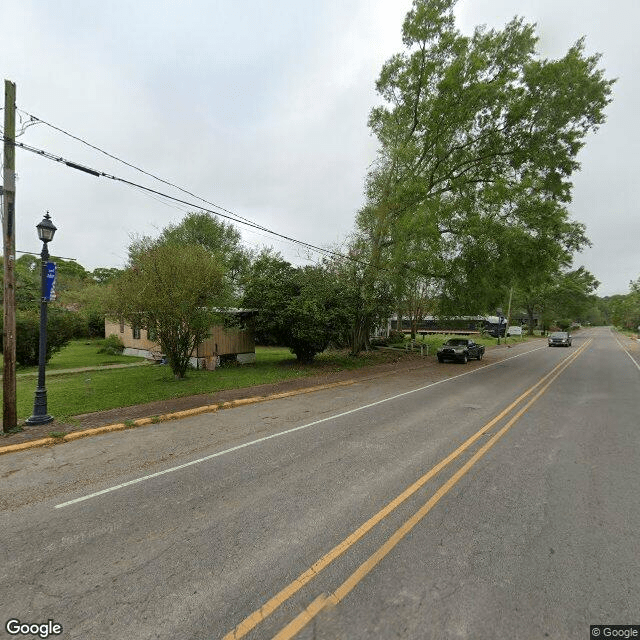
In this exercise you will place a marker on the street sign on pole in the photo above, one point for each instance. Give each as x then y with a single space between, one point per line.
49 290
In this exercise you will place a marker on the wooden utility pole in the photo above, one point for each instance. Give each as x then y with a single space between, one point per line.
9 407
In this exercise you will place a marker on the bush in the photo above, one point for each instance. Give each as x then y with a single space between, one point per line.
396 337
95 325
75 325
62 325
112 345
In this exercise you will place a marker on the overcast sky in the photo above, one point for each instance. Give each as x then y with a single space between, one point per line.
261 107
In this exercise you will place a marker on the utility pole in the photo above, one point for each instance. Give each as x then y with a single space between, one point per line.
9 406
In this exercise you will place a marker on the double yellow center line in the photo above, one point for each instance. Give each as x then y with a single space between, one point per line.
341 592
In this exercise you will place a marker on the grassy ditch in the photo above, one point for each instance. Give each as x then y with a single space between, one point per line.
71 394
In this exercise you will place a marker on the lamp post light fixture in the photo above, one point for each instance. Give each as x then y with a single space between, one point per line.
46 231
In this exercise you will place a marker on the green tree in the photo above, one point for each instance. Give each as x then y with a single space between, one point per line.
172 289
104 275
565 294
222 240
63 324
625 309
27 276
91 304
478 142
300 308
598 313
86 294
366 287
573 294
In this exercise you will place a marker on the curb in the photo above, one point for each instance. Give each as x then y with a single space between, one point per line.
177 415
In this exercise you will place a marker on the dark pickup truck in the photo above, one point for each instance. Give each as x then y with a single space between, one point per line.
460 349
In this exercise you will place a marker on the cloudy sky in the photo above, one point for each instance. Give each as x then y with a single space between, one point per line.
261 107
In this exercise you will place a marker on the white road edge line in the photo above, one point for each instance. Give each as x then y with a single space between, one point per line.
632 358
283 433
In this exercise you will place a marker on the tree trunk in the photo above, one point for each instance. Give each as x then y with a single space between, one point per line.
359 334
530 319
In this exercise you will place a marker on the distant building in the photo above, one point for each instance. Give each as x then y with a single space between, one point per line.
436 324
463 325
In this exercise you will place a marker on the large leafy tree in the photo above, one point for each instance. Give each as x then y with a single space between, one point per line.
478 142
566 294
222 240
302 308
104 275
70 277
573 294
172 289
366 287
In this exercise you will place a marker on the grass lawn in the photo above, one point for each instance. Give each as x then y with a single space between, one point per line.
77 393
435 341
79 353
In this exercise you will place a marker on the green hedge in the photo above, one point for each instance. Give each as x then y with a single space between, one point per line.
62 326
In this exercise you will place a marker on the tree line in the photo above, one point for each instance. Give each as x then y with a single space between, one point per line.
180 283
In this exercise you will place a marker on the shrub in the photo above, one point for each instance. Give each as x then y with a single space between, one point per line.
396 337
112 345
75 325
95 325
61 328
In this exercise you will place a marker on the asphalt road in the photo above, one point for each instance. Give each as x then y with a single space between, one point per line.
498 499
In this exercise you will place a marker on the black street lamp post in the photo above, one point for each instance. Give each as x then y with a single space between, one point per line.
46 231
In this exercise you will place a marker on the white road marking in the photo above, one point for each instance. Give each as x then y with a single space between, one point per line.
632 358
283 433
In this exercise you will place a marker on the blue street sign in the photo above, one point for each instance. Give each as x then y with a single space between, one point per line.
50 281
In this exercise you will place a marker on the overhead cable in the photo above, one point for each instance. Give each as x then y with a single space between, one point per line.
132 166
101 174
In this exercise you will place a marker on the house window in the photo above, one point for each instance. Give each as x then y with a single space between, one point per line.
151 334
121 326
136 333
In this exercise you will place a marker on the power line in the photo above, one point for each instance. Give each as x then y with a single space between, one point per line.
101 174
236 217
23 125
132 166
31 253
